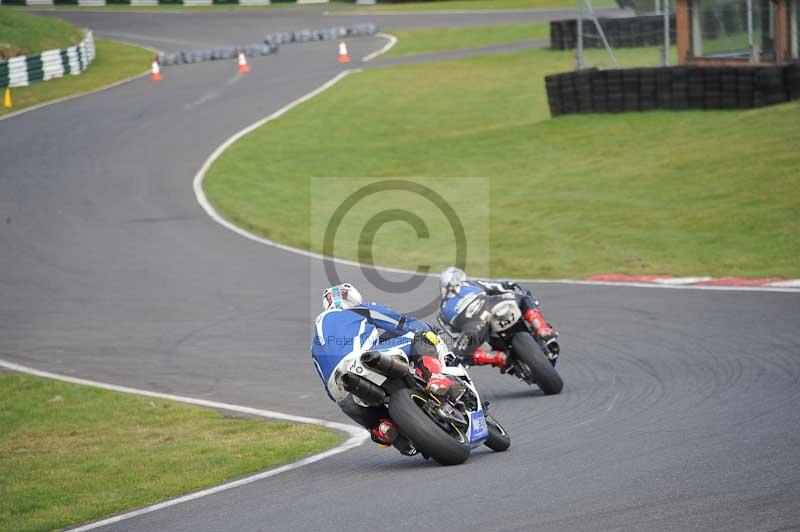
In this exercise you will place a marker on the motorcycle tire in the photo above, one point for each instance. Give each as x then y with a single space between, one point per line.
498 439
427 436
528 351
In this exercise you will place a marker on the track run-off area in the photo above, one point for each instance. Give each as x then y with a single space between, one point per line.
680 408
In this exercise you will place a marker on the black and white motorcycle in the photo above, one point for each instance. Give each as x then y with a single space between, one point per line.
530 357
440 427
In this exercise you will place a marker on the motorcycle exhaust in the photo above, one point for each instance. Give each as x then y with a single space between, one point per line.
363 389
385 365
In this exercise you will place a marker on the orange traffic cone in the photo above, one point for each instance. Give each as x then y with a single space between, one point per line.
155 73
343 56
244 68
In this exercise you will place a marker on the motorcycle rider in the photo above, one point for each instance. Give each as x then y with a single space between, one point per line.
348 324
458 292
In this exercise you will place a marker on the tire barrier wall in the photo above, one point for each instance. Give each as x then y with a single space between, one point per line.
681 87
647 30
143 3
268 46
26 69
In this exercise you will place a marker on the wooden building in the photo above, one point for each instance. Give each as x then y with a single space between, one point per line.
736 32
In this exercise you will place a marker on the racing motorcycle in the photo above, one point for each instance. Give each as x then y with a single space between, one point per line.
530 358
444 428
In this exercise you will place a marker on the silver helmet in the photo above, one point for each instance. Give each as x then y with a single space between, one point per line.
450 280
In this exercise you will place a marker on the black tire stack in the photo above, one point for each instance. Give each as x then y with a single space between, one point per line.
792 80
770 88
745 81
681 87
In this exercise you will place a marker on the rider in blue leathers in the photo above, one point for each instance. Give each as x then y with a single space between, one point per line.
348 324
460 299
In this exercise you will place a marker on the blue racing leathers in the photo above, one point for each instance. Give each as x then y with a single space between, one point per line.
368 327
463 311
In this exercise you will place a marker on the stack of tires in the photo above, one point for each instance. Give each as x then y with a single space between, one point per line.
770 88
268 46
681 87
792 80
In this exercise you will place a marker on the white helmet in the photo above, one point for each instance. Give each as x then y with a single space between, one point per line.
341 296
450 280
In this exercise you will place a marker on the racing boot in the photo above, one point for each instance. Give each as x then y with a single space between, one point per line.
384 433
430 369
542 329
482 357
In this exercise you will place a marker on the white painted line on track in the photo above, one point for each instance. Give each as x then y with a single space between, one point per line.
392 41
116 35
217 217
682 280
791 283
357 436
197 183
73 96
476 12
763 288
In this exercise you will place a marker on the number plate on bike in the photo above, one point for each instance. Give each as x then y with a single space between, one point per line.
479 430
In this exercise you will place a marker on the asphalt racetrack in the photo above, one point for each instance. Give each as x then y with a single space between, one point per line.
681 409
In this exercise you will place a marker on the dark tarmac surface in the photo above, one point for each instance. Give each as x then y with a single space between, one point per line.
680 410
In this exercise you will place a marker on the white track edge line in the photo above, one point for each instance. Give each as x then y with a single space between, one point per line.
357 436
201 198
476 12
392 41
73 96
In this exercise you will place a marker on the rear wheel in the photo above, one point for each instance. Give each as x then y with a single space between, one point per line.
445 444
498 439
530 354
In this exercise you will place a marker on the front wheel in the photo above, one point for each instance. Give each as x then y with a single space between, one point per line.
528 353
446 445
498 439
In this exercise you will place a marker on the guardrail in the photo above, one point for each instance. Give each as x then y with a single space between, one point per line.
680 87
26 69
145 3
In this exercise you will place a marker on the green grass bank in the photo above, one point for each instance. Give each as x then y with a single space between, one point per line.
685 193
70 454
429 40
23 33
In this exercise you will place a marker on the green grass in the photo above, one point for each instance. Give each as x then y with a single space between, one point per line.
480 5
22 33
72 453
114 62
686 193
413 42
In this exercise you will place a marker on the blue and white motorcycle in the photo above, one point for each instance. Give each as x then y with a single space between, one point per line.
444 428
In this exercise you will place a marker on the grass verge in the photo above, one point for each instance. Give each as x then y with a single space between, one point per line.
429 40
22 33
70 453
686 193
114 62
